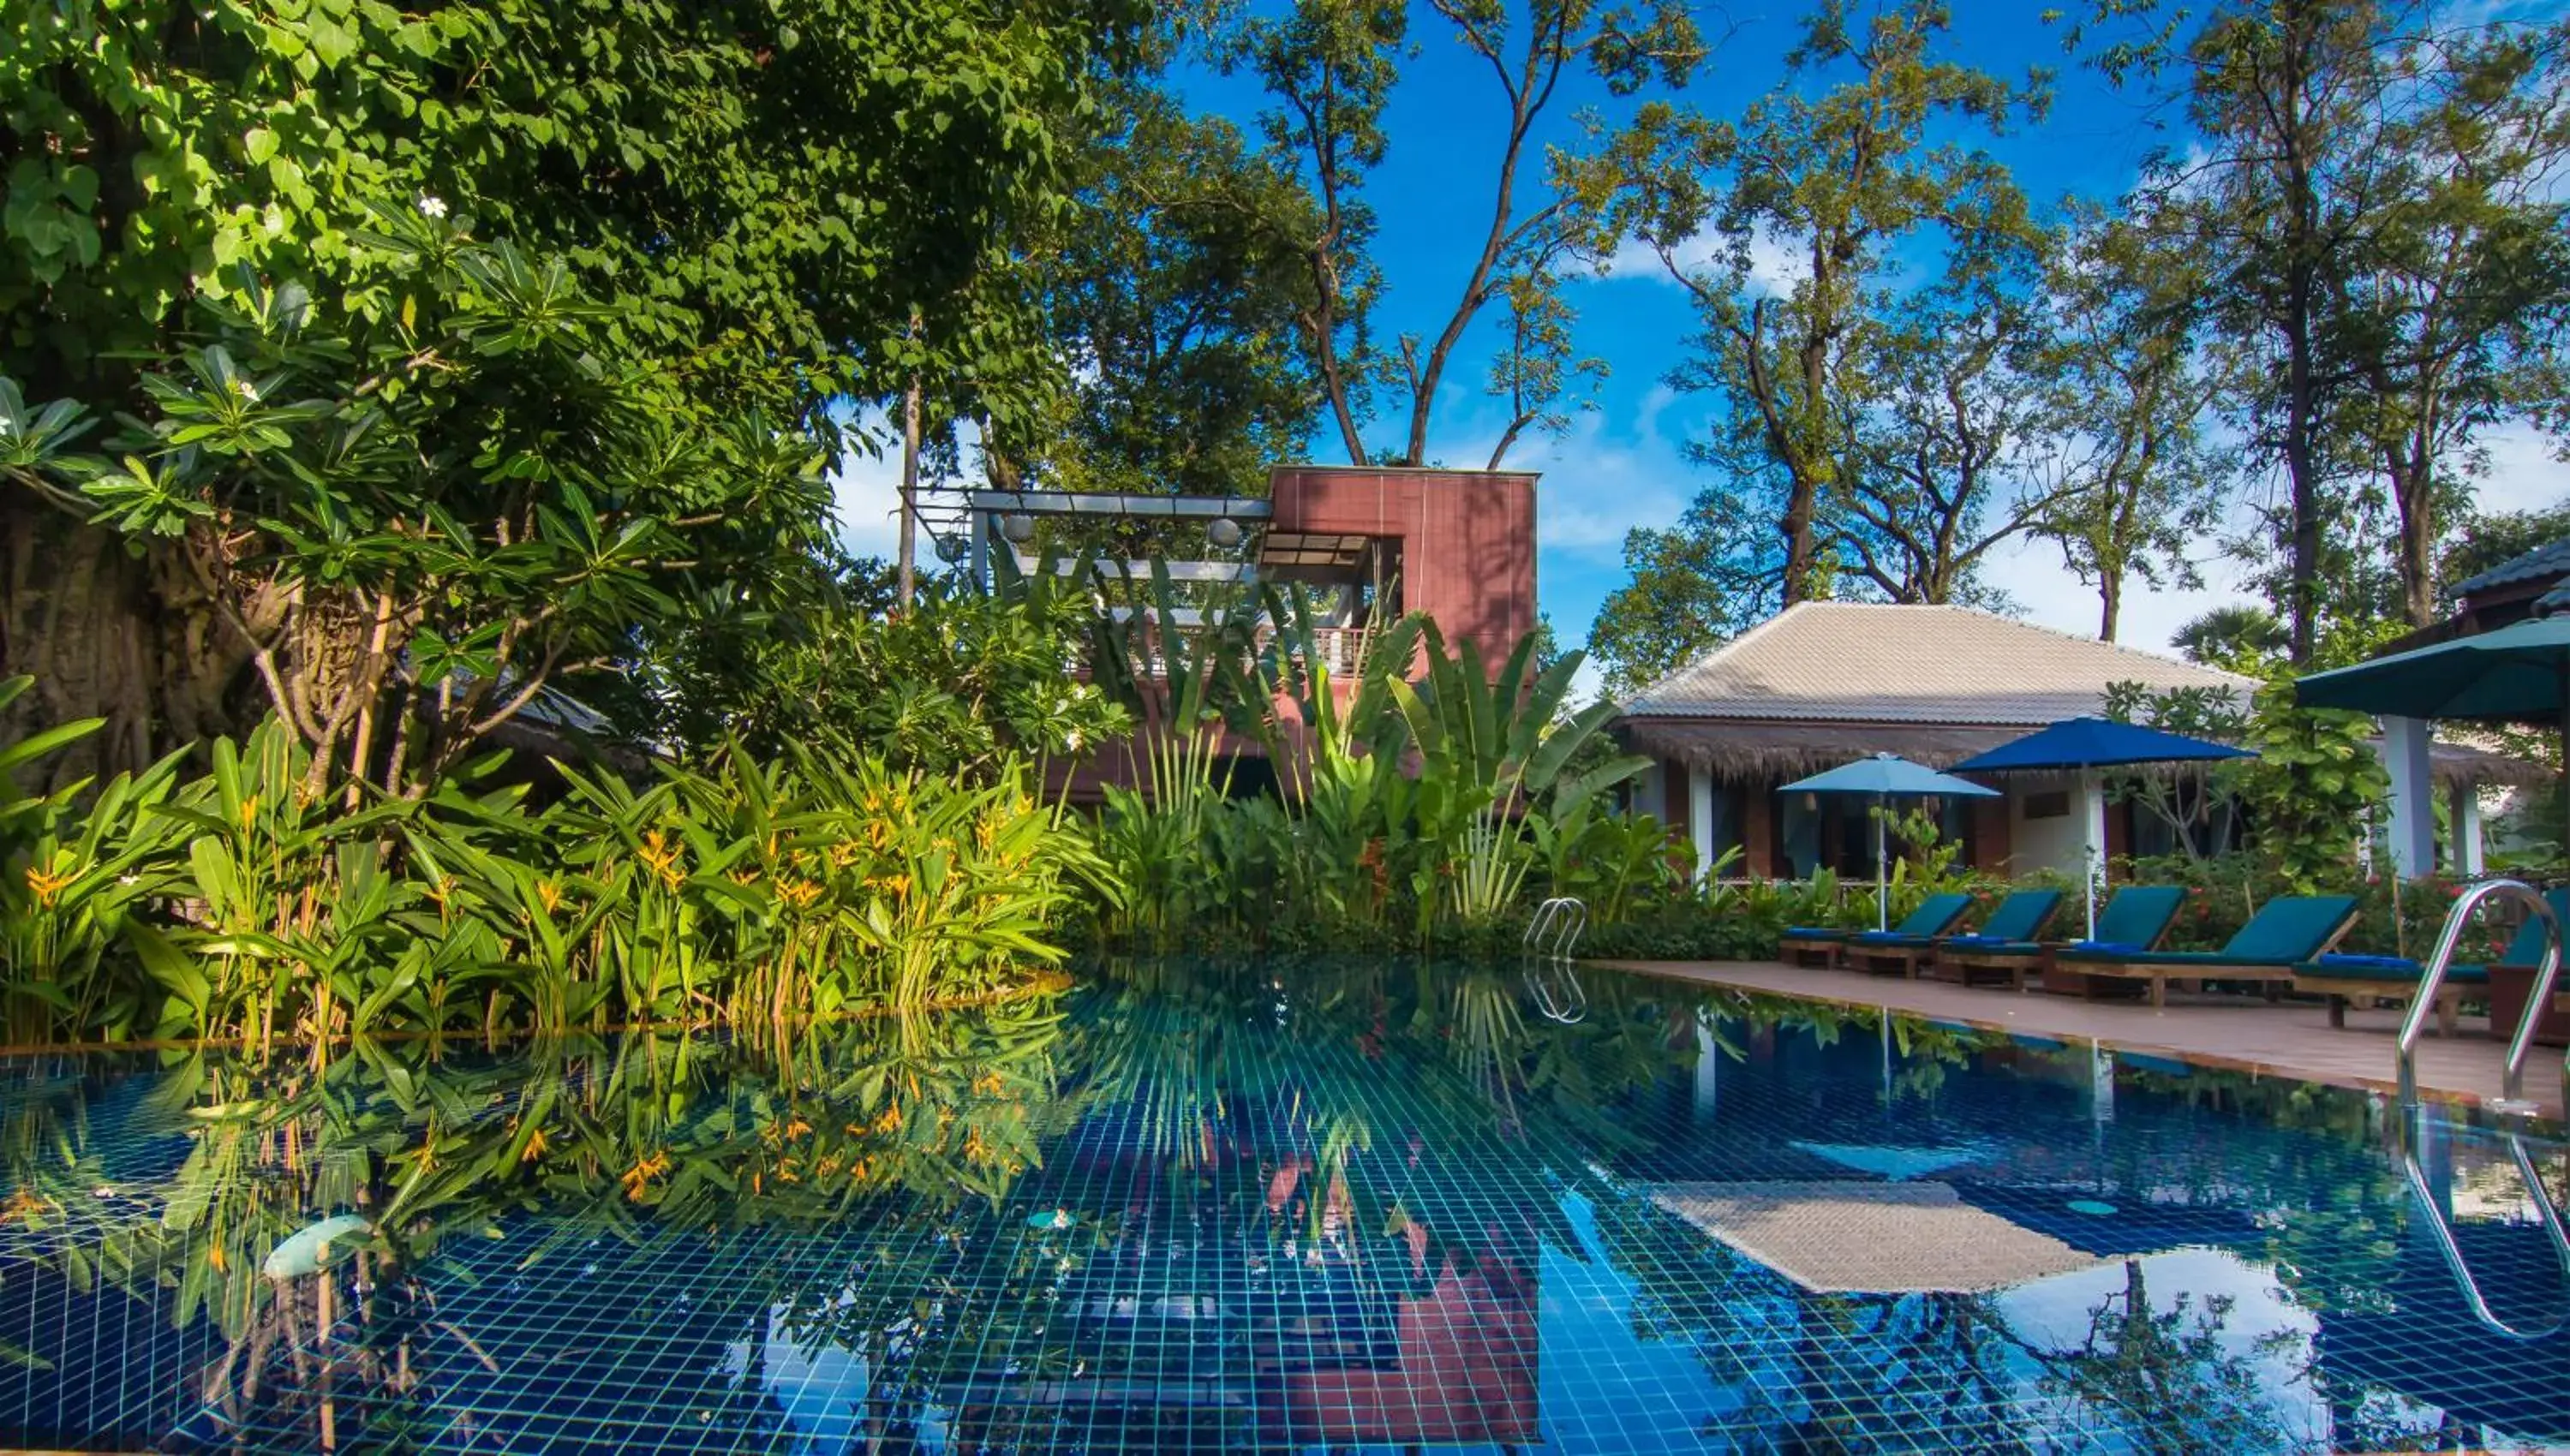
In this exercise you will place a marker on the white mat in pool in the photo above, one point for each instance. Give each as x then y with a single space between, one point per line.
1871 1237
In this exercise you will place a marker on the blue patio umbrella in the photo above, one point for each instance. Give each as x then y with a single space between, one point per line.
1887 776
2089 744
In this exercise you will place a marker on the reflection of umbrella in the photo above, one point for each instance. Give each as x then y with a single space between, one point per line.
1884 776
2517 674
2089 744
1871 1237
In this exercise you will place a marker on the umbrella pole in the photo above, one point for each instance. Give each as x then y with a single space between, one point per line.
1881 869
2092 814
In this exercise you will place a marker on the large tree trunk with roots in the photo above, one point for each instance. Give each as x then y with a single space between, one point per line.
106 633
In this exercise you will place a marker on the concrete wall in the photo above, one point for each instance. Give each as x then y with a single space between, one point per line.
1467 538
2055 843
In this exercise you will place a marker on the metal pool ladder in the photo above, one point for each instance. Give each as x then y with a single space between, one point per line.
2423 1004
2443 1233
1556 927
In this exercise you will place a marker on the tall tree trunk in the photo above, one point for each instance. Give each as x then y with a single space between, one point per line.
2110 603
909 515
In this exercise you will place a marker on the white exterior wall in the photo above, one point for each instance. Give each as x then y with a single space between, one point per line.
2060 842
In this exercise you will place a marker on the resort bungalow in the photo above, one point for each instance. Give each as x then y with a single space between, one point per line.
1825 682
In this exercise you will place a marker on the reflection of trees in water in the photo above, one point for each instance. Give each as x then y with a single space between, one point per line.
1268 1166
2153 1380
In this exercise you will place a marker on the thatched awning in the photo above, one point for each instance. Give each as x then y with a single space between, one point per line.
1768 751
1752 750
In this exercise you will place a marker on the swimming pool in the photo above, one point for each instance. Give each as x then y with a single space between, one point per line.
1275 1205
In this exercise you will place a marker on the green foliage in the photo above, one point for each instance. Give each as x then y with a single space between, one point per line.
2314 778
445 499
1415 811
759 897
966 682
756 188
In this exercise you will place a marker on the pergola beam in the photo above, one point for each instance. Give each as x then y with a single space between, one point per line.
1069 503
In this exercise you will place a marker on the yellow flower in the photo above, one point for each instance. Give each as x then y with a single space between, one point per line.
845 853
535 1147
249 812
640 1176
662 857
550 893
989 1085
47 887
889 1122
976 1151
798 892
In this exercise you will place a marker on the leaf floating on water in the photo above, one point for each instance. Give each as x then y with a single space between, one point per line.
310 1250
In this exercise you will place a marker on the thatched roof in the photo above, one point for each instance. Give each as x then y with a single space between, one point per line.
1755 751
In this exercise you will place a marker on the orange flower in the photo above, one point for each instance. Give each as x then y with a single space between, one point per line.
47 887
987 1085
889 1122
640 1176
662 857
549 895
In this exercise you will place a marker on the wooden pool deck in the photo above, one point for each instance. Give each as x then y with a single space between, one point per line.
2280 1039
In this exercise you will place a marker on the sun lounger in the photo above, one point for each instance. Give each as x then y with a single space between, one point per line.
2286 932
2134 920
2393 979
1934 915
2020 916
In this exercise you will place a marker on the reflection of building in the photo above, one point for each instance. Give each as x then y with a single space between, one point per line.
1460 1371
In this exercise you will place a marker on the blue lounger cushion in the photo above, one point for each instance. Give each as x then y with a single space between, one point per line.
2287 932
1813 933
2391 969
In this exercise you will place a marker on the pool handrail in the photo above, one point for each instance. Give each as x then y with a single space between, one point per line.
2443 1233
2422 1006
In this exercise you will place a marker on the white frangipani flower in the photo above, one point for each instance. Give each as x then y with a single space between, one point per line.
432 205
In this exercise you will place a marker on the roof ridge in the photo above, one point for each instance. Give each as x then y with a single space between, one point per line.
1715 653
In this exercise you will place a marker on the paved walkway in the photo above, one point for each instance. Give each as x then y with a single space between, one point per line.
2282 1039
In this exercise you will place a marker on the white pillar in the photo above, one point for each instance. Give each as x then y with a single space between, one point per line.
1708 1071
1700 821
2467 856
2092 811
2414 803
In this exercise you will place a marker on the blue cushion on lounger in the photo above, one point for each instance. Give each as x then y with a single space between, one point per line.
2020 916
2389 968
2102 948
1813 933
2007 943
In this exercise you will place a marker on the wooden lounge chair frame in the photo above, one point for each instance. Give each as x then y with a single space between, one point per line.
2022 971
1918 960
2342 990
2272 979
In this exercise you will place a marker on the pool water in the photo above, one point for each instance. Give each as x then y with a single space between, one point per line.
1283 1206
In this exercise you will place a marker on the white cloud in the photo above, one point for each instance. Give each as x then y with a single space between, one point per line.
1775 264
2046 591
2523 473
865 489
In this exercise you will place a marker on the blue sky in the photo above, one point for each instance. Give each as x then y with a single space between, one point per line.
1621 464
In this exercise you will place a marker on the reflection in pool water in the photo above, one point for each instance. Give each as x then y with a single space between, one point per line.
1274 1205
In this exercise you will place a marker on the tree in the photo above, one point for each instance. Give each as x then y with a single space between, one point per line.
1177 309
761 198
1694 586
1944 462
2488 540
2140 481
1837 181
1330 65
2241 638
429 515
2458 301
2373 179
